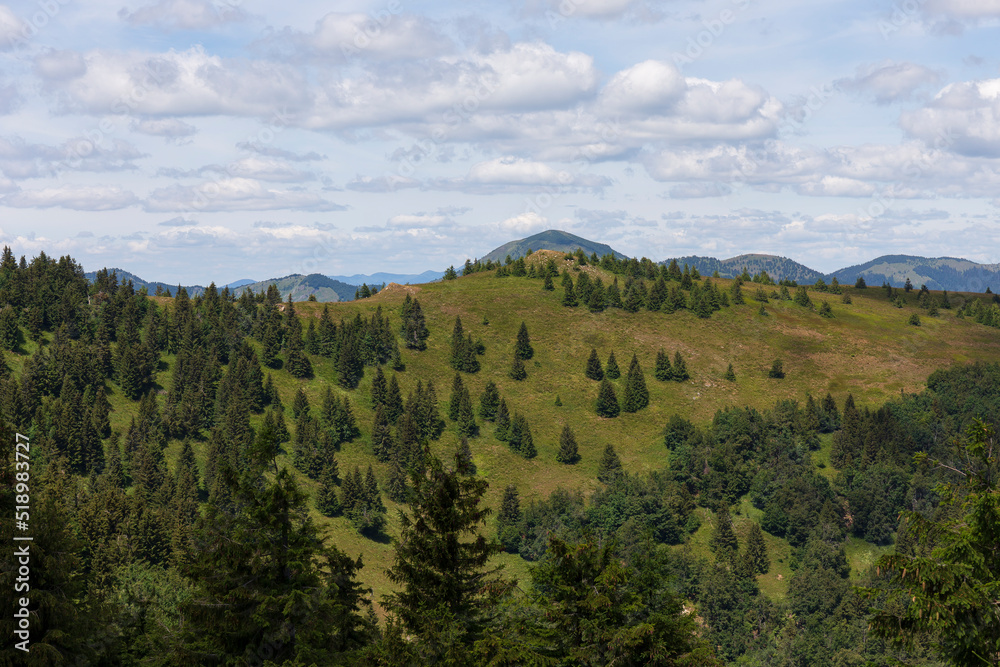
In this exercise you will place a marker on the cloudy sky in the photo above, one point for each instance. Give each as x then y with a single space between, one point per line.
198 140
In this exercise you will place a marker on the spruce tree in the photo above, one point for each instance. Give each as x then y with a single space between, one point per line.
446 593
327 502
610 468
567 447
456 397
501 430
755 550
393 400
730 374
414 327
723 541
636 396
466 416
300 404
777 370
611 370
382 440
569 296
489 401
517 370
664 371
396 486
379 388
607 400
594 370
509 520
680 368
522 348
463 458
520 439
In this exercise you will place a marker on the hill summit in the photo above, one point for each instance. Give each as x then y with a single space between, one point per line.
551 239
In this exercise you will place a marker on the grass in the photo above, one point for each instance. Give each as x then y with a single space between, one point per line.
867 349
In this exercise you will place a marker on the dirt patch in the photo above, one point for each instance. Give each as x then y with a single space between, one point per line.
396 287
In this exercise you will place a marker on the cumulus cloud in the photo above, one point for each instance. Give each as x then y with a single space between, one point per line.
54 65
524 223
80 198
513 174
235 194
889 81
263 169
384 36
178 222
184 14
389 183
963 117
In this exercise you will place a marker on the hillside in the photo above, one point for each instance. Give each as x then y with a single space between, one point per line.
779 268
375 279
151 287
552 239
949 273
302 287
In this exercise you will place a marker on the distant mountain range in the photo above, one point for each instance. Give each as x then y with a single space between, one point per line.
779 268
300 287
379 278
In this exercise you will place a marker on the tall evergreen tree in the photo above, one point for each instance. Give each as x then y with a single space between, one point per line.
489 401
393 400
755 551
607 400
569 295
509 520
610 468
611 370
501 429
382 440
517 370
522 348
520 439
636 396
680 368
414 327
567 446
327 501
456 397
594 370
664 371
723 541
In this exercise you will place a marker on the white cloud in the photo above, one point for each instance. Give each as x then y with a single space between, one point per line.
80 198
889 81
524 223
389 183
169 128
963 117
12 29
235 194
56 65
264 169
651 86
185 14
388 36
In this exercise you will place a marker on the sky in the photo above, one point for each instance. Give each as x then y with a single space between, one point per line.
213 140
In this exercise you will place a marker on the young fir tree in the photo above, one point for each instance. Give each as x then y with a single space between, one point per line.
382 440
825 310
509 520
393 400
517 370
663 370
522 348
636 396
456 397
611 370
414 328
489 401
379 388
730 374
466 416
610 467
520 440
447 594
607 400
327 502
463 458
594 370
568 452
777 370
501 429
396 486
300 404
755 551
680 368
569 296
723 541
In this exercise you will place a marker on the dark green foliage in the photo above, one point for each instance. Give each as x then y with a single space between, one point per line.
860 283
680 368
607 400
396 486
547 284
611 370
450 273
914 320
463 350
825 310
463 458
569 295
636 395
517 370
489 401
519 437
663 371
447 595
567 447
777 370
509 520
466 418
501 430
456 397
723 542
522 348
594 370
802 298
327 501
379 388
908 286
362 502
382 440
730 374
610 467
414 328
393 400
755 551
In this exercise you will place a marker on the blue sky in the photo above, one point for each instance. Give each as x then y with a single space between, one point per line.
199 140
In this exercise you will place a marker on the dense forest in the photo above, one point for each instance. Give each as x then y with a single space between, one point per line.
172 444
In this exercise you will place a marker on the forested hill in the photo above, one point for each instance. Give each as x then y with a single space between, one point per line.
552 239
778 268
948 273
247 479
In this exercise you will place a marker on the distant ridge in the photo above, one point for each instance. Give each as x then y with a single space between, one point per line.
551 239
379 278
949 273
137 282
302 287
778 268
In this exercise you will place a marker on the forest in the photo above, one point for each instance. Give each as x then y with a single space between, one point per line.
212 480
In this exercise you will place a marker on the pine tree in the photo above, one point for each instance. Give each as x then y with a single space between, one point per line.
379 388
414 327
466 416
489 401
327 501
755 550
610 468
520 440
509 520
680 368
607 400
594 370
825 310
396 486
636 396
611 370
777 370
517 370
723 541
382 441
522 348
300 404
664 371
569 296
446 592
463 458
456 397
547 283
393 400
730 374
501 430
567 447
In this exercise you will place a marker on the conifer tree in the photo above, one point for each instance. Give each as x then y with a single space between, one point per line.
456 397
463 458
509 520
825 310
501 429
522 348
730 373
489 401
607 400
327 501
300 404
517 370
569 295
664 371
467 426
520 440
777 370
567 447
611 370
382 441
723 541
594 370
610 468
393 400
446 592
396 485
379 388
547 283
636 395
414 327
755 550
680 368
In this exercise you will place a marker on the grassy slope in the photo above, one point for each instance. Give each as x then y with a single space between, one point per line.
867 349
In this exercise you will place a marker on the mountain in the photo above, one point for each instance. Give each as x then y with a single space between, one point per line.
151 287
779 268
240 283
302 287
381 277
551 239
950 273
